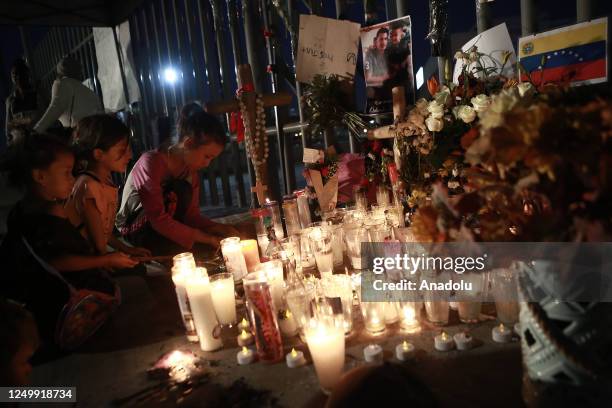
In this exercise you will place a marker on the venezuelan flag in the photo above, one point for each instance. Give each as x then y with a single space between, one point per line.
574 54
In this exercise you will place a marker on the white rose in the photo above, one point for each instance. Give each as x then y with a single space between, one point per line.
434 124
421 106
435 109
525 89
442 95
480 102
466 113
505 100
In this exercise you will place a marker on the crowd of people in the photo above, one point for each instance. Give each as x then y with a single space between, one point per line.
71 232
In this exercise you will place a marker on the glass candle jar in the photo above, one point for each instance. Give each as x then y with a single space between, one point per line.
292 215
303 208
276 218
338 291
262 314
233 258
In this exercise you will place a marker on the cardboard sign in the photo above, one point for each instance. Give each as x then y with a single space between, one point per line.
326 46
493 43
326 194
576 54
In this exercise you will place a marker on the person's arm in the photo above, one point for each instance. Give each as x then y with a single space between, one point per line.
74 263
61 96
93 225
116 243
147 176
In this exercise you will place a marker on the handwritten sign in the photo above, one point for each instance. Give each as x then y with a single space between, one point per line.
326 46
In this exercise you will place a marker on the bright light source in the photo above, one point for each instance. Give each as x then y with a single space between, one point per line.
170 75
419 78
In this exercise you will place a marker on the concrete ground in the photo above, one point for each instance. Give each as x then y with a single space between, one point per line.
113 365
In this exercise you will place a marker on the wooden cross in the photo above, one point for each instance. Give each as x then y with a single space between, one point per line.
399 110
260 189
245 81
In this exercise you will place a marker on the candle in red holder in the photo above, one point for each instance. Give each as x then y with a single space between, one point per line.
263 317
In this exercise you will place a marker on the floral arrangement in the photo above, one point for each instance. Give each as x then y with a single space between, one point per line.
540 170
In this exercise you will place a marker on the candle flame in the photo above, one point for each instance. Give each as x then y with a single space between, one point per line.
244 322
293 352
288 314
502 327
405 345
244 350
444 335
408 314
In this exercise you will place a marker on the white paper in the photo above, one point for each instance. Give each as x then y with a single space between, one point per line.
493 43
109 72
312 155
326 46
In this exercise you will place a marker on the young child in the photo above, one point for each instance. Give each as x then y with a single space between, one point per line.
44 166
102 147
18 342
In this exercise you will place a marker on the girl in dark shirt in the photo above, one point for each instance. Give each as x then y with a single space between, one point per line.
44 166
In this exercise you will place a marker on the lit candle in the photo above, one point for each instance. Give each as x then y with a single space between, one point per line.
443 342
463 340
326 345
250 251
244 325
374 316
501 334
373 353
233 258
245 338
404 351
204 317
295 358
184 262
287 324
245 356
224 301
409 322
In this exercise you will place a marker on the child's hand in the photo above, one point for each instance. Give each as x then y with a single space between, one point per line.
120 260
138 252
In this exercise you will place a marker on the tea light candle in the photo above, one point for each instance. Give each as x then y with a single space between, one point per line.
250 251
373 353
404 351
443 342
463 341
245 338
501 334
295 358
233 258
288 325
245 356
244 325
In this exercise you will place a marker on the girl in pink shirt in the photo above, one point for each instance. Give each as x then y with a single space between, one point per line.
160 206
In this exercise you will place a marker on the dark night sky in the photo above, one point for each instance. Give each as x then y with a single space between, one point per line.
552 14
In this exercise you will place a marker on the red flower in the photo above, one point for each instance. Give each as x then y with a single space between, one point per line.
324 171
377 146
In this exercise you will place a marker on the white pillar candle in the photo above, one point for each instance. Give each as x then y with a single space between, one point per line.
245 356
274 275
181 296
404 351
326 345
287 324
198 292
295 358
463 340
244 325
250 252
444 342
373 353
501 334
223 297
245 338
233 258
